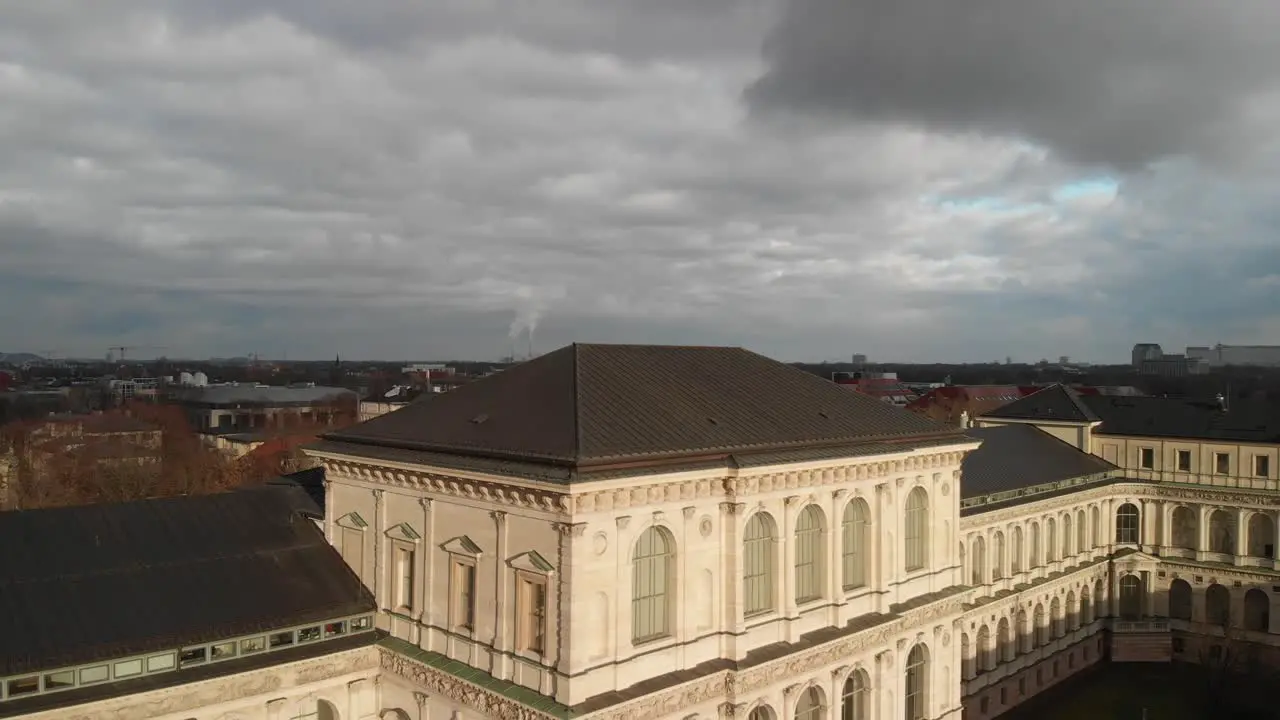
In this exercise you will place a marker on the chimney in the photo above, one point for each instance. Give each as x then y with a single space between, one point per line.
964 419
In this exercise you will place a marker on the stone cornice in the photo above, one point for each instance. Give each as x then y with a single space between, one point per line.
747 484
480 699
470 489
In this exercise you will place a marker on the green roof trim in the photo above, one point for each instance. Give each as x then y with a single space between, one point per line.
516 693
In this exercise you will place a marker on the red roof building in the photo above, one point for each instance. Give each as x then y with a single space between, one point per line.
880 385
948 404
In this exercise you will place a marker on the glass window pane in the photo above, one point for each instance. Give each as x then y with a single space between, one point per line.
128 668
157 663
253 645
223 651
95 674
60 680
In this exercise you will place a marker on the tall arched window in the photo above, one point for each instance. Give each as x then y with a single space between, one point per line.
1262 535
1100 597
760 712
1180 600
979 561
1217 605
1095 522
1042 626
809 706
1073 617
967 663
1127 525
1015 551
916 530
1050 541
984 649
854 698
1222 535
652 573
1067 537
810 542
1086 609
1130 597
854 545
1026 636
1082 534
1186 530
1055 618
1004 638
758 565
916 701
997 555
326 710
1257 611
1033 550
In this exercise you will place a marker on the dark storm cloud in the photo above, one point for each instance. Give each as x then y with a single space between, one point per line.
1099 81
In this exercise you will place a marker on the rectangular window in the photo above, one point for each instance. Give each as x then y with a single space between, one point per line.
309 634
404 578
533 616
1261 466
60 680
253 645
128 668
1221 463
1147 458
464 595
95 674
363 623
223 651
192 656
24 686
156 663
1022 686
280 640
335 628
1184 461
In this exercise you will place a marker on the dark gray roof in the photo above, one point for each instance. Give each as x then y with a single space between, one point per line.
265 396
90 583
592 405
1013 457
1056 403
1255 421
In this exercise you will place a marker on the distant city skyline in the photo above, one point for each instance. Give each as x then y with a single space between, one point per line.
395 180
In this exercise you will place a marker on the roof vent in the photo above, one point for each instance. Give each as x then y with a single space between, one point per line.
712 421
823 413
479 419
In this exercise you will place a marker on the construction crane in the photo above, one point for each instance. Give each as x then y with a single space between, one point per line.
119 351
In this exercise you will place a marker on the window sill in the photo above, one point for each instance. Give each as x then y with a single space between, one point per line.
651 640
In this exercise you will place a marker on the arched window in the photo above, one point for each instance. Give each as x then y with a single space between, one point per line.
1026 636
760 712
1073 616
1050 538
1066 536
854 698
325 710
1217 605
1222 535
916 530
1004 638
758 565
1082 534
1015 551
979 562
1262 536
854 545
984 649
997 555
810 542
1055 618
652 574
1095 521
917 686
1257 611
1186 530
1180 600
1130 597
967 663
1099 597
1086 608
1127 524
809 706
1042 626
1033 550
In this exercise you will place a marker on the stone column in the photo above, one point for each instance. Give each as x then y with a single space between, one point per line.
835 555
329 503
1242 537
379 549
1202 543
622 586
562 586
502 635
355 698
685 622
427 614
1166 526
789 515
731 572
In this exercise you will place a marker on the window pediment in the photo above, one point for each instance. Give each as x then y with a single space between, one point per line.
461 545
352 520
403 531
533 562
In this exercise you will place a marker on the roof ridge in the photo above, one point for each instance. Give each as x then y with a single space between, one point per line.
577 405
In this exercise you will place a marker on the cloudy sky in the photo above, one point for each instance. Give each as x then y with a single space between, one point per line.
915 180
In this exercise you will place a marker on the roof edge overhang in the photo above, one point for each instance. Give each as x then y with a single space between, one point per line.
657 460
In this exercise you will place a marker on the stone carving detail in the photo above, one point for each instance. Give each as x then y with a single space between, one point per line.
437 484
622 521
689 512
600 543
706 526
570 529
485 702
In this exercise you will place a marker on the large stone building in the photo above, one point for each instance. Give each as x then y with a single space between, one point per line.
635 533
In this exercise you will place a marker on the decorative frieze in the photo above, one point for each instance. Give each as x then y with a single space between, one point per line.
494 492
